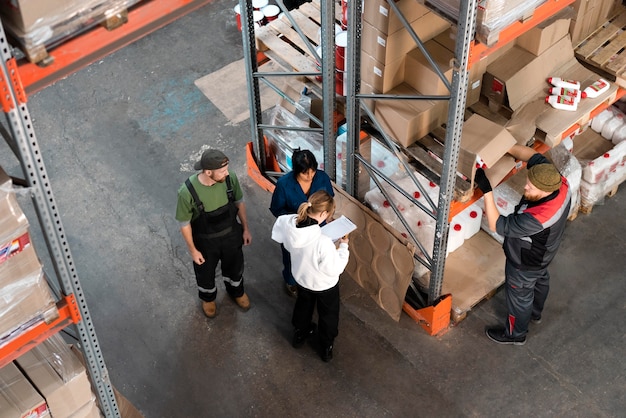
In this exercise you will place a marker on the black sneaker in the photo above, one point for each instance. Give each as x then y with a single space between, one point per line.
291 290
535 319
300 336
327 353
498 335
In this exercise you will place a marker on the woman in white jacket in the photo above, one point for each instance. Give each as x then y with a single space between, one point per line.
316 263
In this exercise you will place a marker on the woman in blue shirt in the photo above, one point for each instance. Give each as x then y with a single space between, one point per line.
292 189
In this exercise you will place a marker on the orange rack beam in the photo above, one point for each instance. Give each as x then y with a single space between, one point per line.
146 17
478 50
68 314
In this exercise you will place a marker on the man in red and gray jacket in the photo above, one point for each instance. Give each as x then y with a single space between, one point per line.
532 235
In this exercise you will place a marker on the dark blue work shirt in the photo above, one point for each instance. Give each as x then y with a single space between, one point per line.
288 195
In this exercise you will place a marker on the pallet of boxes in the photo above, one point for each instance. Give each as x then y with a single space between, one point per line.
48 380
36 26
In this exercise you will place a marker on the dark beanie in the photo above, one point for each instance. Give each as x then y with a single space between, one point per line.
545 177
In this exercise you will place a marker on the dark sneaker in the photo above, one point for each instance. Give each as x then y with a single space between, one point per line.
498 335
535 319
300 336
292 290
327 353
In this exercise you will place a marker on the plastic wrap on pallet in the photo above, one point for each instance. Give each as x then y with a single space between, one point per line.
492 15
283 142
60 377
13 222
593 193
44 22
18 398
24 292
569 167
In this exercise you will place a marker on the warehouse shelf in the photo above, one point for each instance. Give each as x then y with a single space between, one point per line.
145 17
68 313
480 50
467 52
72 308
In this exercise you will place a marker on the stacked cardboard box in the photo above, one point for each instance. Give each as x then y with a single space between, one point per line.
18 398
61 379
385 41
37 23
23 288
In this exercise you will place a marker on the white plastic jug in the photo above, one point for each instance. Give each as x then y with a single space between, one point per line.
596 170
598 122
470 218
611 126
455 236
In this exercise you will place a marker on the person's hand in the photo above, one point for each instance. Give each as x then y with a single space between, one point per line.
481 180
247 237
197 257
342 240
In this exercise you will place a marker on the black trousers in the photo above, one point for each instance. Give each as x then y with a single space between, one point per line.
526 294
227 250
327 303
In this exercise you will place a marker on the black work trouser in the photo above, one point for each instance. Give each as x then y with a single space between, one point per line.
526 293
327 302
227 250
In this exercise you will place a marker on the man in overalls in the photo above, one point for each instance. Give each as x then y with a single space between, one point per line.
215 227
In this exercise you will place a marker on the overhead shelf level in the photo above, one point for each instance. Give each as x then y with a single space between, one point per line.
479 50
77 52
68 314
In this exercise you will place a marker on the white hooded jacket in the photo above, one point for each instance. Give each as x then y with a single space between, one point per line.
316 262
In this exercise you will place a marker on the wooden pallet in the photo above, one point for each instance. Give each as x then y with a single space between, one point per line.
586 208
280 42
605 48
38 52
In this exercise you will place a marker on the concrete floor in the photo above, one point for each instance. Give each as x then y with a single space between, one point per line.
116 137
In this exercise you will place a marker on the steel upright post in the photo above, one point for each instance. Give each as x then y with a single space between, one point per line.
466 27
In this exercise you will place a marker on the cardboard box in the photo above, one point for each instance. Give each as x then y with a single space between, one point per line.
420 74
58 375
24 292
379 14
475 77
29 15
519 77
546 34
406 121
490 141
18 398
89 410
385 48
382 77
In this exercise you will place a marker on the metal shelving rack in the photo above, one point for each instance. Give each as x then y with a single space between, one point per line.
73 308
467 52
355 108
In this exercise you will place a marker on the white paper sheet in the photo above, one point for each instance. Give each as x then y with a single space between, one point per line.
338 228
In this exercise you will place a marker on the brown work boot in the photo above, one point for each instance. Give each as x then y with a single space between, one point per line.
243 302
209 308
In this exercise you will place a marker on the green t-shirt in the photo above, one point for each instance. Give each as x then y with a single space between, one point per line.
213 197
